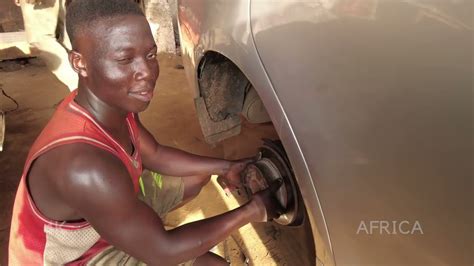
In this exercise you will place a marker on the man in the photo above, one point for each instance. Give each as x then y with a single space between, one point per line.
77 200
44 25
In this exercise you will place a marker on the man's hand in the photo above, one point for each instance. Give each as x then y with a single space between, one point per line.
231 179
267 205
17 2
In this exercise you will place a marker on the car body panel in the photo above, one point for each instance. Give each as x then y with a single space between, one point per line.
379 95
373 103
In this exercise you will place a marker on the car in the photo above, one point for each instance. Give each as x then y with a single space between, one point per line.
372 104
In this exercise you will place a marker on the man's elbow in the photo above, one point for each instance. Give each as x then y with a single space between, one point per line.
172 253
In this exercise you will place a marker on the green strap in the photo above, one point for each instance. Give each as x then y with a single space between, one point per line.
142 187
157 179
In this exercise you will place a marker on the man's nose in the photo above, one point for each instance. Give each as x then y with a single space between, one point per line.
143 70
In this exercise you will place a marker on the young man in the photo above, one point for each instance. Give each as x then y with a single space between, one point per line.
77 201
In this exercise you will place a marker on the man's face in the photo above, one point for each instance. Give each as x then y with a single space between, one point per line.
120 58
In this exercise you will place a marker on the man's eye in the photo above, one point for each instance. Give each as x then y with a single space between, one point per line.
124 60
151 56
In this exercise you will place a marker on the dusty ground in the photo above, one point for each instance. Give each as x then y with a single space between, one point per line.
172 119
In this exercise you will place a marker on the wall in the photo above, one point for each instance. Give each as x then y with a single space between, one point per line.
159 15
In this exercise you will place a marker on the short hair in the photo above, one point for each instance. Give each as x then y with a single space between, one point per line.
81 14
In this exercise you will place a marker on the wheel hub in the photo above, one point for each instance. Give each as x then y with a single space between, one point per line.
273 164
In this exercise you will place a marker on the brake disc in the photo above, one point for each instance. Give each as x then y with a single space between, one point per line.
272 165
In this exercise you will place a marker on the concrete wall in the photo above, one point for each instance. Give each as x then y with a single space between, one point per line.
160 14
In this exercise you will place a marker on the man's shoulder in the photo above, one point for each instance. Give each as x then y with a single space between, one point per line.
77 154
66 179
78 165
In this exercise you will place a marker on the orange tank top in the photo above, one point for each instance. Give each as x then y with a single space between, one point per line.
35 239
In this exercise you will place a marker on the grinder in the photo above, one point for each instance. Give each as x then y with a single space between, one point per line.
271 165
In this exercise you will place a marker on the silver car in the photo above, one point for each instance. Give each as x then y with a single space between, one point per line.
372 103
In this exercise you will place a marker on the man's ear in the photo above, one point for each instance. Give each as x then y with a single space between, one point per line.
77 62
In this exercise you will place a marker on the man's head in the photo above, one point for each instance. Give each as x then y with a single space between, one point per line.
113 52
83 14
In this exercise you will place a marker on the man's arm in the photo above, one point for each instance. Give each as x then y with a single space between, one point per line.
175 162
101 190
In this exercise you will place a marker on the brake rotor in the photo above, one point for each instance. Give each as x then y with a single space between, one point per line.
272 165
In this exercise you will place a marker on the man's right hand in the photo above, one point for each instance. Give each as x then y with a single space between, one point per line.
267 205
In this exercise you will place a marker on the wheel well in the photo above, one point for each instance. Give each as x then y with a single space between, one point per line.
225 94
222 86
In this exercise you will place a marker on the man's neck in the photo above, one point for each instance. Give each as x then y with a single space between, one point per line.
108 117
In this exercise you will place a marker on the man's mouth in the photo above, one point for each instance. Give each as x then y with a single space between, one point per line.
144 96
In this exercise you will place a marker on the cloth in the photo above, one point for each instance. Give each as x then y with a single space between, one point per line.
35 239
46 32
162 200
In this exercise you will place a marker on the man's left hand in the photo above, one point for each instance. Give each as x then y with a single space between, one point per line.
232 178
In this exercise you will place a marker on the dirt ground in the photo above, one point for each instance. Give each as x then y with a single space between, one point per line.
171 118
